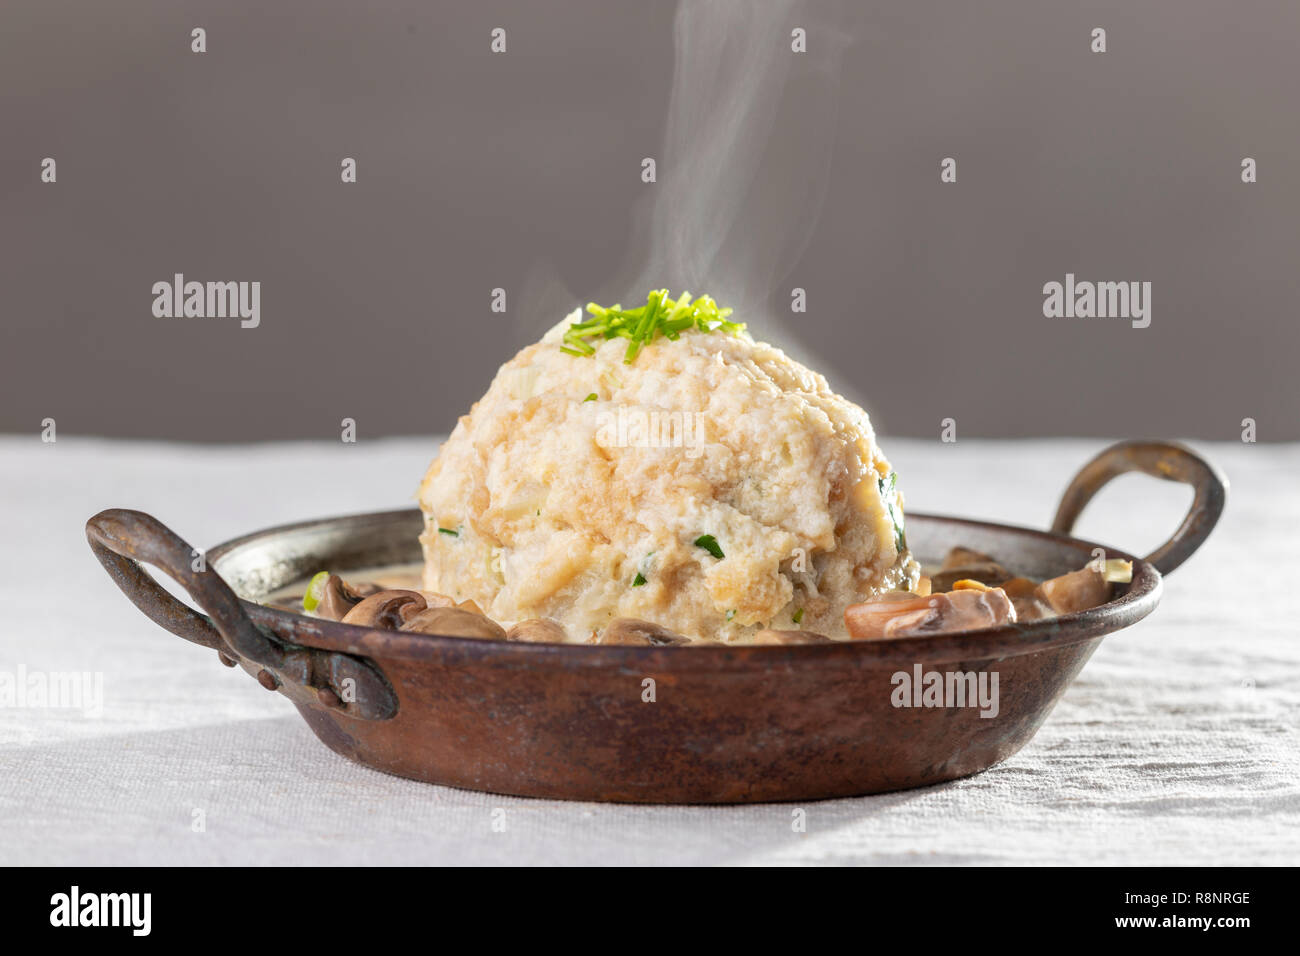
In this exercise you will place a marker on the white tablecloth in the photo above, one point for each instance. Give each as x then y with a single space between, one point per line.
1177 744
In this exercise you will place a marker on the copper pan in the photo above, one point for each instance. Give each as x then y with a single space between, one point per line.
726 724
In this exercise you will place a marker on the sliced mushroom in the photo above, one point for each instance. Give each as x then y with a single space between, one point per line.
960 557
630 631
434 599
387 609
537 630
769 636
939 613
1024 596
454 622
965 563
339 597
1076 591
990 575
471 607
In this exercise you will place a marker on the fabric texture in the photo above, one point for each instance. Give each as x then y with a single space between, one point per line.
1176 745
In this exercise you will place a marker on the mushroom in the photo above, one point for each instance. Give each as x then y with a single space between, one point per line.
1029 604
388 609
1076 591
965 563
960 557
632 632
909 616
453 622
338 597
537 630
770 636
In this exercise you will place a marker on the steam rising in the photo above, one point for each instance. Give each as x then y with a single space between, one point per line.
743 171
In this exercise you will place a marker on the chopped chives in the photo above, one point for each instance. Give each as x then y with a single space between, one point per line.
889 498
660 315
710 544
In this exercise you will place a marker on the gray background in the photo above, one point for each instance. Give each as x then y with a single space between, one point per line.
522 171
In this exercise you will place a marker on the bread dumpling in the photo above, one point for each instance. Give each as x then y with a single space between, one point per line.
712 485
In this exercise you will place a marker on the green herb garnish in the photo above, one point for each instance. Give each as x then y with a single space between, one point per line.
659 316
798 616
315 591
590 398
642 566
730 615
451 531
710 544
889 496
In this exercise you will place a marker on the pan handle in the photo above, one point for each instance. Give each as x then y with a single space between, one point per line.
1171 461
121 539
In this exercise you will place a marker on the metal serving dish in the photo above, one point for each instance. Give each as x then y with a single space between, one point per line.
728 724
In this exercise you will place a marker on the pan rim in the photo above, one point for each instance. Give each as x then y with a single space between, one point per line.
988 643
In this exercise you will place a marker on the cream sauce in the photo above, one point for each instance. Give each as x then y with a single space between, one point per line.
399 576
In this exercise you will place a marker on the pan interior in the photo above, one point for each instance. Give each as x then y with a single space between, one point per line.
261 563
